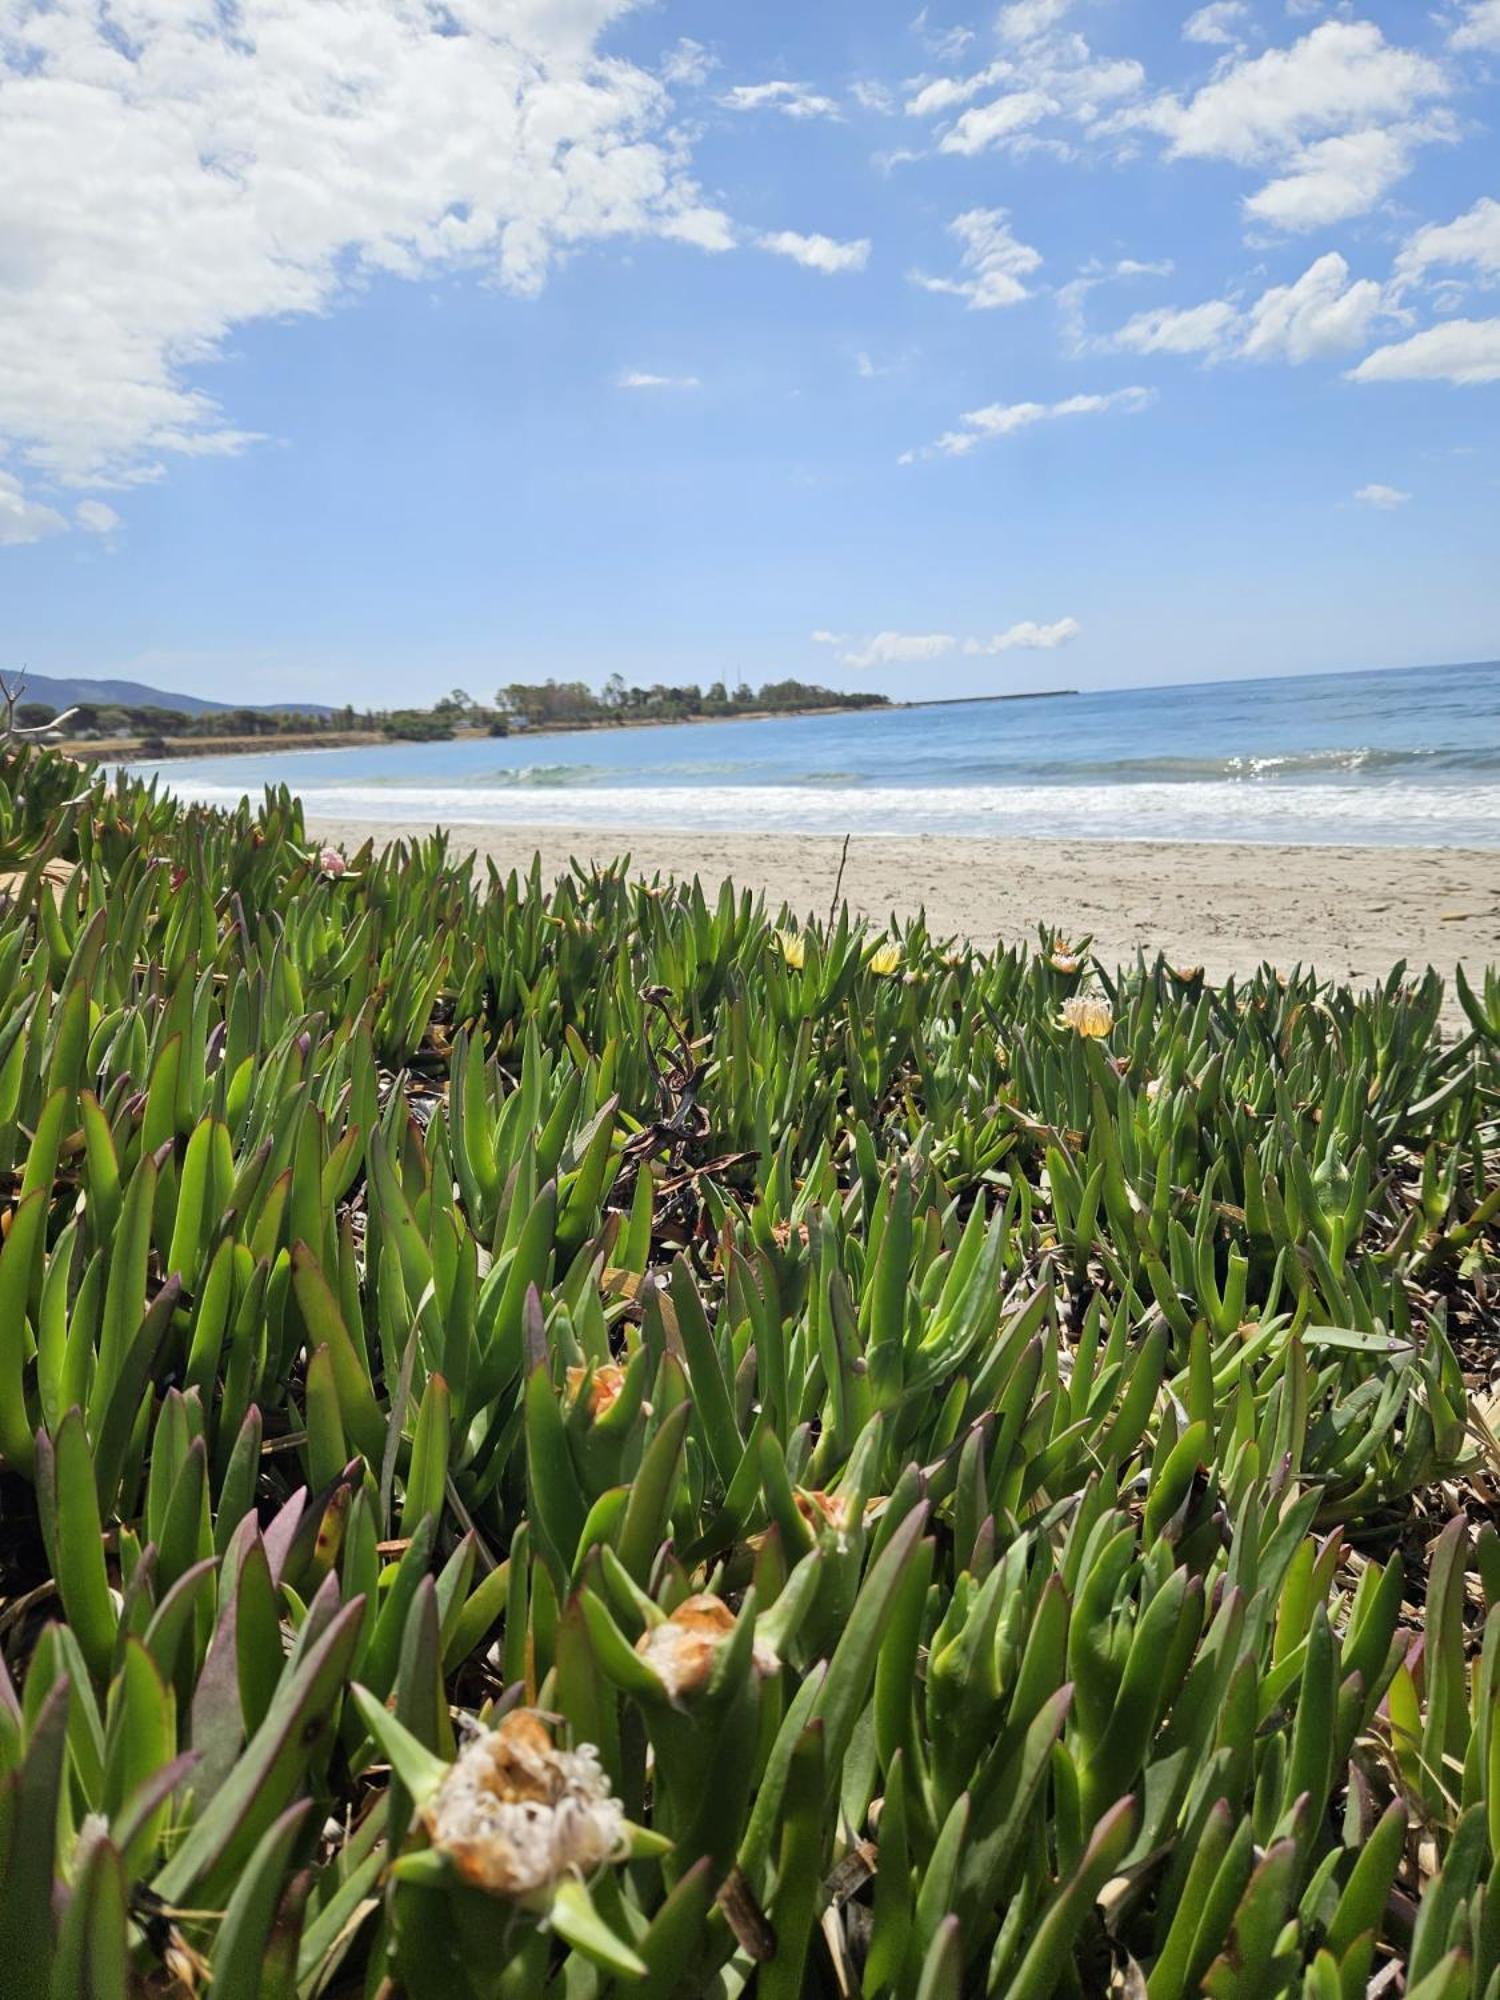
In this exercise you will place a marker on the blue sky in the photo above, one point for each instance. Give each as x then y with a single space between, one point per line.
363 351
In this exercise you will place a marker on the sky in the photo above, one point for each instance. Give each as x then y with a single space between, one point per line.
363 349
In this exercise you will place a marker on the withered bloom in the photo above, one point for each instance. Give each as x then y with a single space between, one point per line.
515 1814
681 1651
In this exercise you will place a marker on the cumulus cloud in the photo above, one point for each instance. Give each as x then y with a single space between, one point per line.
1479 27
997 420
904 649
171 173
1384 498
1027 636
1337 178
1217 24
1462 351
1471 240
1323 312
1179 329
24 520
985 125
639 378
793 100
817 253
1336 116
994 262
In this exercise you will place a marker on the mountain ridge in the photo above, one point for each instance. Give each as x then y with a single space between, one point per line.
67 690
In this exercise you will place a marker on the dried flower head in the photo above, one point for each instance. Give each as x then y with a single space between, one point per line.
515 1814
681 1651
793 948
1064 961
1088 1014
822 1510
605 1383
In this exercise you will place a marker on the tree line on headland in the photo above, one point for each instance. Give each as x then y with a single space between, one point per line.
550 704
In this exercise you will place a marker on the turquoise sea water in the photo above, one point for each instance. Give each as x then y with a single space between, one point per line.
1403 758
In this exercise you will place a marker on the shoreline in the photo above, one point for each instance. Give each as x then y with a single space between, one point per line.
127 749
1352 912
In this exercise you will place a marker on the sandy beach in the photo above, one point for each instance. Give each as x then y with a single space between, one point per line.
1350 911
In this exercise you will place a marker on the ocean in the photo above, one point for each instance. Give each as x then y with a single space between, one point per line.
1408 758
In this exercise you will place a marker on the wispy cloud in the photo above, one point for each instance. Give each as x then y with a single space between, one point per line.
640 378
817 253
995 263
997 420
792 100
1385 499
906 649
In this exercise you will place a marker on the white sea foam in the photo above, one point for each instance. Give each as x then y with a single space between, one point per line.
1390 814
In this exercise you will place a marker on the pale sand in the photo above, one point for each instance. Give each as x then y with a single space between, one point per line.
1350 911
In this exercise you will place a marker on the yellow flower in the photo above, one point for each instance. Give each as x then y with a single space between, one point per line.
885 958
605 1384
515 1814
1087 1014
793 949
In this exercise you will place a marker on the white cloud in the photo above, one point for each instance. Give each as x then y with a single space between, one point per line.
1342 76
986 125
172 172
818 253
1462 351
1480 26
1028 636
996 263
947 44
872 96
1071 297
1385 498
900 649
1027 20
996 420
1047 76
1337 113
794 100
23 520
95 518
1201 329
638 378
1471 239
1334 179
688 64
1321 314
945 93
905 649
1216 24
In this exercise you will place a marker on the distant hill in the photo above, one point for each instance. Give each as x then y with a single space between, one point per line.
64 693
